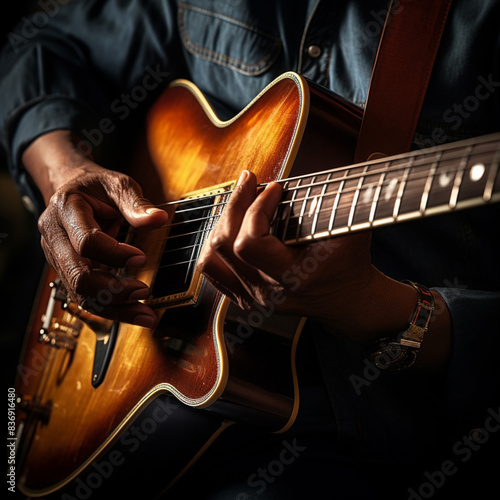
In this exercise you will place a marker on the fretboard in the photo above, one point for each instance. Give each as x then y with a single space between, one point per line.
410 186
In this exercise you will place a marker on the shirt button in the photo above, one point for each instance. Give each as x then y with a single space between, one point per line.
314 51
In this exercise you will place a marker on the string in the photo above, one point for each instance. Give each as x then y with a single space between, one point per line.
319 185
388 167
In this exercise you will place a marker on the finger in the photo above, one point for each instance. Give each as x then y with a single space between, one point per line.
217 260
79 275
77 220
136 314
137 210
221 276
90 242
255 245
223 237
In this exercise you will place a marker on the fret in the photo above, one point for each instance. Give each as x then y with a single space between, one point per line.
401 189
442 184
490 183
320 203
388 193
305 220
301 214
428 184
333 185
406 187
287 210
336 203
364 201
458 179
355 198
376 196
346 200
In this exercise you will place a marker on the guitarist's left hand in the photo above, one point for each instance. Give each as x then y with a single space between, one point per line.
333 282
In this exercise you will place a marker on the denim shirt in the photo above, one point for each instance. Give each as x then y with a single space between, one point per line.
71 66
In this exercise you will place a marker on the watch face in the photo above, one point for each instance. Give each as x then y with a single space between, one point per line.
393 356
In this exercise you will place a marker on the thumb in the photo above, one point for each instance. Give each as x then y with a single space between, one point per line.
144 214
137 210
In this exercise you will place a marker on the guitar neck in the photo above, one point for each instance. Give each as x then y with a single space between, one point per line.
405 187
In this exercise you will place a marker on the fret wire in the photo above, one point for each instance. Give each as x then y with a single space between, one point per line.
330 180
416 159
381 183
303 209
416 155
428 183
490 182
401 189
376 197
289 211
379 186
318 208
458 179
336 202
356 196
365 186
336 179
386 170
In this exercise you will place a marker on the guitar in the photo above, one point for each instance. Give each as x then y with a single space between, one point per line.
82 380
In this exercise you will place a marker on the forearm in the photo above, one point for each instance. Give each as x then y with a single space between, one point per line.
52 160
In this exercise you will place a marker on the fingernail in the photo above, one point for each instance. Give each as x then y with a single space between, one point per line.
153 210
145 321
243 177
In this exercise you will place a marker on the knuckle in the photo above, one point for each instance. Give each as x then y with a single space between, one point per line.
243 247
221 244
78 277
86 241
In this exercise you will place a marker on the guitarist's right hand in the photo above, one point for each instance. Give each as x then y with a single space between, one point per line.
85 205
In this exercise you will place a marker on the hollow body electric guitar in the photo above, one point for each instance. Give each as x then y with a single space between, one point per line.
83 380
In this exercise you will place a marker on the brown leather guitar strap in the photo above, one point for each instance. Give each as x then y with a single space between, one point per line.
403 65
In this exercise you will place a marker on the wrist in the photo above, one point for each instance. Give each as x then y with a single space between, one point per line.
425 342
384 308
53 159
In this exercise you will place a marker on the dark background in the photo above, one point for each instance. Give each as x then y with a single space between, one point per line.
21 259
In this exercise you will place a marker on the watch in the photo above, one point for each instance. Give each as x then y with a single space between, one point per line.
401 352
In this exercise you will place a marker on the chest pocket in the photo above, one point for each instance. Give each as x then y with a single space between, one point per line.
217 37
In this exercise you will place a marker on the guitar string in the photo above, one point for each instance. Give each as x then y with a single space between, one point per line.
410 189
322 211
389 166
324 214
388 169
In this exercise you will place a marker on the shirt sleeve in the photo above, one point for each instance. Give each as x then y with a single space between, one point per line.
79 64
472 383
